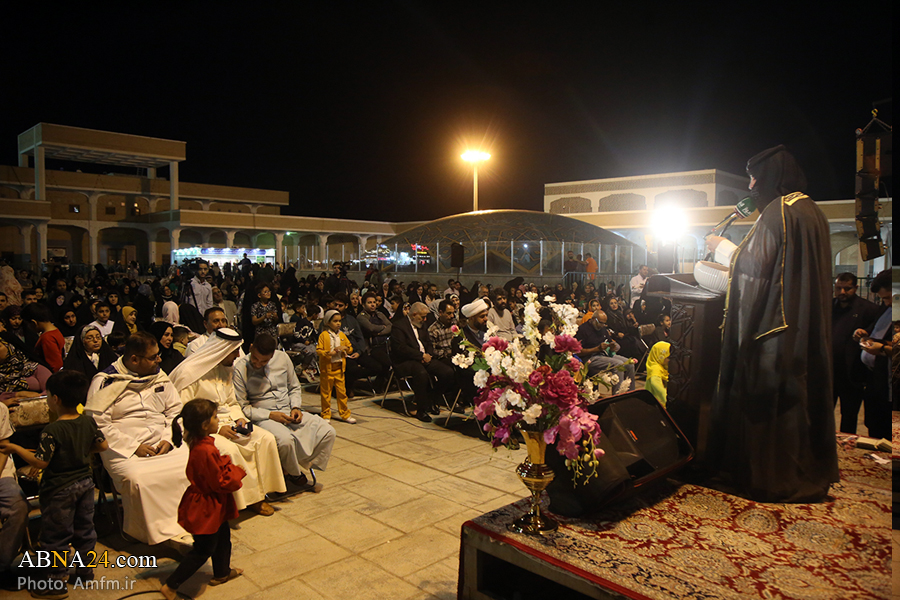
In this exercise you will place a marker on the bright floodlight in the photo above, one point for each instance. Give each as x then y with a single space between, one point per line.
475 156
669 223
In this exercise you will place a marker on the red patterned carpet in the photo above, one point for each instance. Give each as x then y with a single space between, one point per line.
691 542
895 434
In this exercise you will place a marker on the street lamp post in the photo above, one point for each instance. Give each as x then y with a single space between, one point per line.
475 157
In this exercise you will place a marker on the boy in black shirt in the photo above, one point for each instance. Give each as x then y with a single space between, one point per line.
67 489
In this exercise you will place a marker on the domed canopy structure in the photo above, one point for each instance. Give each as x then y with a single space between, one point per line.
470 229
521 242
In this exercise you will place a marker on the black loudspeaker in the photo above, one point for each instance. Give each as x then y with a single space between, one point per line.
642 445
870 149
457 255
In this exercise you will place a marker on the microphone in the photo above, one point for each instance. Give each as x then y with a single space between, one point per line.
742 209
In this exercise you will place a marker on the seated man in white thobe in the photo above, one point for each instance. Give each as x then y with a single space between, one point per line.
134 403
207 374
214 318
267 389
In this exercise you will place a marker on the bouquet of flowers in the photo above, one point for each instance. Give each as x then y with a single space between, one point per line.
526 388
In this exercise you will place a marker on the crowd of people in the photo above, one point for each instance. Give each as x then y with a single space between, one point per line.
137 351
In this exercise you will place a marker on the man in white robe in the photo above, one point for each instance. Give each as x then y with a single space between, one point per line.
214 318
269 393
206 373
134 403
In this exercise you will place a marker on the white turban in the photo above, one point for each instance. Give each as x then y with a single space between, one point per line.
474 308
220 344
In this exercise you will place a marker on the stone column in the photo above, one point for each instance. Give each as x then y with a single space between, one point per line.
25 229
173 185
40 175
229 238
323 248
204 237
206 204
41 229
174 235
279 248
93 200
94 242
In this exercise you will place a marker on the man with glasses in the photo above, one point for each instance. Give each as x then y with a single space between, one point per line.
134 403
413 357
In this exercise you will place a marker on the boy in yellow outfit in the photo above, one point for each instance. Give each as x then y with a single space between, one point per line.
333 348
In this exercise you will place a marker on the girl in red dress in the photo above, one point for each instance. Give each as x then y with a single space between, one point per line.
208 503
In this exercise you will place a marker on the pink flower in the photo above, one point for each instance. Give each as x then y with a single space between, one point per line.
550 434
484 409
560 389
501 436
454 329
496 343
574 365
536 378
569 435
566 343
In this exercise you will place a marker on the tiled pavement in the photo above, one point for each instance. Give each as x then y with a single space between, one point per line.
386 526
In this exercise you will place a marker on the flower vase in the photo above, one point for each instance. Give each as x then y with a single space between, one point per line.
536 476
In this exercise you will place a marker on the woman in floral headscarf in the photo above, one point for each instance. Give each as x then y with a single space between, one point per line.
18 374
10 286
658 371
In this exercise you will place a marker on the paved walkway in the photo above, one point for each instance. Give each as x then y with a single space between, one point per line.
386 525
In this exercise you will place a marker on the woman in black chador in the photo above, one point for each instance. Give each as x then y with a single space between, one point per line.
772 429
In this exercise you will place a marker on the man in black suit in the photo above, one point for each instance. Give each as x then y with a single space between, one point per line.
411 353
849 313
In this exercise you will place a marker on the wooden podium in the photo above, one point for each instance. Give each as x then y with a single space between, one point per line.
696 340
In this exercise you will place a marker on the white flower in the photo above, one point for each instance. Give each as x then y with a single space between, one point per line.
463 361
550 339
626 383
530 297
494 360
481 378
512 398
500 410
549 298
492 329
531 414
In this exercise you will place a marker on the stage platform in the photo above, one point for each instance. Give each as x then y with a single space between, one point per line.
685 541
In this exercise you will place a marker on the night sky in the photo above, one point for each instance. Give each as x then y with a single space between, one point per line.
363 111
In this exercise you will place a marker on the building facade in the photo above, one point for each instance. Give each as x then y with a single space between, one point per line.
628 206
79 217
